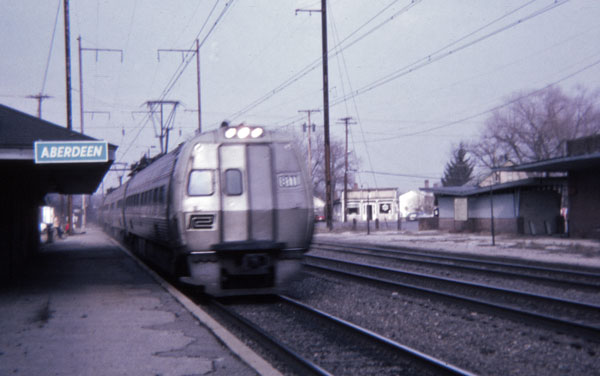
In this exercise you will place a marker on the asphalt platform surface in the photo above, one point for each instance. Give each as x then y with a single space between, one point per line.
85 307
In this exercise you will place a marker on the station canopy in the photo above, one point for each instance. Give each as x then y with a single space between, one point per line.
49 157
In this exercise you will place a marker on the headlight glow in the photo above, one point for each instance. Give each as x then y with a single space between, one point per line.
243 132
230 133
257 132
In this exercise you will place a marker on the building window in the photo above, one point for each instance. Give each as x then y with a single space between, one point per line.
201 183
385 208
353 210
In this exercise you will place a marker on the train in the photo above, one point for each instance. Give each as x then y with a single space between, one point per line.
230 210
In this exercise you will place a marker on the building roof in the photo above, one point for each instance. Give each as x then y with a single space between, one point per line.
562 164
374 193
19 131
464 191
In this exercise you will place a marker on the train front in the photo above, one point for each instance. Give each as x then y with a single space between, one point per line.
247 209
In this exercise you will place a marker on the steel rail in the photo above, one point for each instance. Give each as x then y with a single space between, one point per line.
436 364
418 259
585 330
490 263
298 362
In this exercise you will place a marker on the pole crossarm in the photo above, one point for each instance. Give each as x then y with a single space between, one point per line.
107 113
98 50
165 125
183 52
40 98
309 11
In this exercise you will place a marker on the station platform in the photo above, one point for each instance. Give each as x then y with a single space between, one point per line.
85 307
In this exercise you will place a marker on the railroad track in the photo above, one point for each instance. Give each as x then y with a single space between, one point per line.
314 342
585 279
570 316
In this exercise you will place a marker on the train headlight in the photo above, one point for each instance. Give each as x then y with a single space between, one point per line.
257 132
243 132
230 132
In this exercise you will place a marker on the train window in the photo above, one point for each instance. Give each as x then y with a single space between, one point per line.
201 183
233 182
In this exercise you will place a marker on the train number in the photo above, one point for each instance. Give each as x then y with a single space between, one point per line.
288 181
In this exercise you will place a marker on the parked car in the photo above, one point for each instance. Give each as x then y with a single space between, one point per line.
413 216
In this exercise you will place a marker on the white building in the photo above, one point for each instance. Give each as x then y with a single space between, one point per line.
370 204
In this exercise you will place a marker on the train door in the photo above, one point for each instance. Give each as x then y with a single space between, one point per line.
247 203
234 201
261 195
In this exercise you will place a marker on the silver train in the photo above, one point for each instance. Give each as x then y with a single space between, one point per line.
230 210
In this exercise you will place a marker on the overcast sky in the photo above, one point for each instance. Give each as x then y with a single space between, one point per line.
417 77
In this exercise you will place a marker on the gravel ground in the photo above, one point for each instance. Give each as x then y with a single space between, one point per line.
473 340
331 348
589 296
580 253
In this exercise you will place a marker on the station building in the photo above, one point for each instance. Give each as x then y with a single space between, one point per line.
582 168
36 158
527 206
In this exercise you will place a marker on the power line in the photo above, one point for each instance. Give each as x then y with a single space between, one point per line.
316 63
399 175
490 110
179 71
431 58
50 51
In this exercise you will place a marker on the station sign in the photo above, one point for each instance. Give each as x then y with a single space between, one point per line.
70 151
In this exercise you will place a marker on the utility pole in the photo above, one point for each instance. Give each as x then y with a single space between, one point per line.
40 97
165 126
328 193
80 86
69 111
81 112
346 121
197 52
68 65
309 127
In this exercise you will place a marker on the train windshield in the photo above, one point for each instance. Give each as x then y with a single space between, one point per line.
201 183
233 182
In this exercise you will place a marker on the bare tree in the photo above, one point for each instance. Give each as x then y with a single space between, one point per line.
338 165
536 126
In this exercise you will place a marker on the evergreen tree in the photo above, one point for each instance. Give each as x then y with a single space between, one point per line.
459 170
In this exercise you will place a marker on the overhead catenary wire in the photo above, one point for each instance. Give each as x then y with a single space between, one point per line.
430 58
181 68
495 108
444 52
50 50
331 53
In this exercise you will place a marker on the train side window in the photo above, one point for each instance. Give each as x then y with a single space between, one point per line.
201 183
233 182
